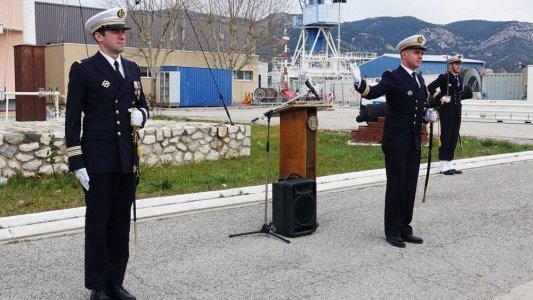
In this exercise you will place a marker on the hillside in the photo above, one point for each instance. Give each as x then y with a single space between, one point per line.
502 45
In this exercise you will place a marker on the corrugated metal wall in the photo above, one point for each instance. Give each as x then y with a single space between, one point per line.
197 87
62 23
376 67
502 86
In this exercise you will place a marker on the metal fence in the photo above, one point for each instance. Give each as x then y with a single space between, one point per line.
498 110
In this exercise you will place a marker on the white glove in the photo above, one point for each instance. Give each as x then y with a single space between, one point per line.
356 73
431 115
83 177
136 117
445 99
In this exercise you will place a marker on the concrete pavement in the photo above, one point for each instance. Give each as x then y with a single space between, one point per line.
37 225
478 245
476 226
343 118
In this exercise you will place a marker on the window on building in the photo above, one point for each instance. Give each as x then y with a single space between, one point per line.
145 72
245 75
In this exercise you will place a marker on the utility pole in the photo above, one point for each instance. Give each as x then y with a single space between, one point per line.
28 27
338 34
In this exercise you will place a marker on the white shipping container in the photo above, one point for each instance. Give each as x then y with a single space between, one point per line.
502 86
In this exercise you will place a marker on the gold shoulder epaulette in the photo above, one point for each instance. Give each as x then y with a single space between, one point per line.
79 61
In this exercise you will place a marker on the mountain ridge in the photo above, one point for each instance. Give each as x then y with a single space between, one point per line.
503 45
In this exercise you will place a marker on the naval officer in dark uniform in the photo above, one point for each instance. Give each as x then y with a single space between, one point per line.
104 101
448 98
406 96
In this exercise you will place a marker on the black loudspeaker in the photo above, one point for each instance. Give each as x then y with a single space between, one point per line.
294 206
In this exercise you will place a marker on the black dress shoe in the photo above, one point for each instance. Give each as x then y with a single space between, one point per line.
456 171
448 172
119 293
395 241
412 239
99 295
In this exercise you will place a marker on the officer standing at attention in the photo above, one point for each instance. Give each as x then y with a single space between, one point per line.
106 98
450 85
406 96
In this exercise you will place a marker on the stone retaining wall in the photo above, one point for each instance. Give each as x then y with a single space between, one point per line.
34 148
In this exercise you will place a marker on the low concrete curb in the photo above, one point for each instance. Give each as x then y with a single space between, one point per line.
66 221
521 292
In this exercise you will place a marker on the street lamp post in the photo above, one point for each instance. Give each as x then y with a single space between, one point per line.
338 33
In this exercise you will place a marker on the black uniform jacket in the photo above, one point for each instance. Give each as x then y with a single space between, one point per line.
96 90
405 100
447 110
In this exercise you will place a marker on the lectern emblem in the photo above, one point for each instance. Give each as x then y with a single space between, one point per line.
312 123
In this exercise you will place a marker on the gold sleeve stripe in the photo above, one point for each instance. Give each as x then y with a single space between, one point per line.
73 151
435 94
367 90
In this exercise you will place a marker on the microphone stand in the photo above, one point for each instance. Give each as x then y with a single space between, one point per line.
267 227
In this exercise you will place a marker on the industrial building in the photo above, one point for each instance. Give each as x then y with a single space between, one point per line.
58 29
432 65
486 84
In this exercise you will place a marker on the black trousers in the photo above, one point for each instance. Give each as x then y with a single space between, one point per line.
402 166
448 137
107 229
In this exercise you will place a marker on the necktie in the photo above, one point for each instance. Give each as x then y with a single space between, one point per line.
416 79
117 70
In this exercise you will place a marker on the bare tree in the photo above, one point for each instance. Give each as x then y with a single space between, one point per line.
235 27
159 29
227 30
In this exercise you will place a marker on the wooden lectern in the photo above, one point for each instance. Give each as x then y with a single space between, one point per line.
298 127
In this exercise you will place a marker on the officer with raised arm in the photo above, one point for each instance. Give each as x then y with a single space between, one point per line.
406 96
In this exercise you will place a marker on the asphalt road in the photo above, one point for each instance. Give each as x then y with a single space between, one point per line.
476 226
343 118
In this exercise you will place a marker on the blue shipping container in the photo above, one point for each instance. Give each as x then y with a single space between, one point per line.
433 64
197 88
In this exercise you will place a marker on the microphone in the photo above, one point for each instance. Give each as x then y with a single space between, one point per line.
311 88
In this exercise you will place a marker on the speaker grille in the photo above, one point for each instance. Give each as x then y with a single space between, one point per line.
294 206
304 210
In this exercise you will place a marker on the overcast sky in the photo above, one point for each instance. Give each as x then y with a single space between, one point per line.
433 11
441 12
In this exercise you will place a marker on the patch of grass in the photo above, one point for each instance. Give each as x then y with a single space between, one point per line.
474 147
164 118
26 195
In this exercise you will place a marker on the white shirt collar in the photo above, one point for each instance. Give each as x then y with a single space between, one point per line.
112 62
410 71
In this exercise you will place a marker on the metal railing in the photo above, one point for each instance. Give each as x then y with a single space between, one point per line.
498 110
41 94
